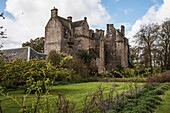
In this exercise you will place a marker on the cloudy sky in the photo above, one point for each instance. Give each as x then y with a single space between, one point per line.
26 19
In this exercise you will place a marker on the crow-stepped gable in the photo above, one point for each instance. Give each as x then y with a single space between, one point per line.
67 36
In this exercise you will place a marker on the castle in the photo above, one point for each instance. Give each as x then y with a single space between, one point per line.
66 36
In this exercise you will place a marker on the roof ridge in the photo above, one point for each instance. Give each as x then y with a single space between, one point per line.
77 21
63 18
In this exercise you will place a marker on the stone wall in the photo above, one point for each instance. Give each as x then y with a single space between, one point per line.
66 36
53 34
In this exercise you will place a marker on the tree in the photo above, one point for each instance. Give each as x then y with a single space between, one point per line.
84 55
54 57
37 44
164 43
146 37
2 32
133 56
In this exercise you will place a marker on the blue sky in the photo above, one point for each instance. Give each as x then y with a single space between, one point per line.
135 9
26 19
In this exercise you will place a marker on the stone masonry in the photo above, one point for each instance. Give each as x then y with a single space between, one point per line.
66 36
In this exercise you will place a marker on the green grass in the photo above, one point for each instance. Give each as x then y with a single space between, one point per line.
73 92
165 104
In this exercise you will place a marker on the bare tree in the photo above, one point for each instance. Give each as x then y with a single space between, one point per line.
145 38
2 32
164 43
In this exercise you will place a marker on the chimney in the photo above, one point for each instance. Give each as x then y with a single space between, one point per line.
54 13
123 30
69 18
109 26
85 18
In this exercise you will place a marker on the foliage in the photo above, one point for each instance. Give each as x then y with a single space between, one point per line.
54 57
147 100
153 46
78 66
37 44
164 106
163 77
2 31
84 55
129 72
17 72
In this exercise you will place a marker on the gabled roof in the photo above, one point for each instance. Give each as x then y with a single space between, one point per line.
77 23
66 23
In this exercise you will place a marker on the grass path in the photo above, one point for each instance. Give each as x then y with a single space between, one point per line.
165 104
73 92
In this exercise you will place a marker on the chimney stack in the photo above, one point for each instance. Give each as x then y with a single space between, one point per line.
85 18
69 18
123 30
54 13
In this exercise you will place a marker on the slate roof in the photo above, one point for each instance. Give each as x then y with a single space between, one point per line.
77 23
24 52
66 23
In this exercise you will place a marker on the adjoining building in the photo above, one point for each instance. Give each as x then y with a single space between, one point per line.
64 35
24 53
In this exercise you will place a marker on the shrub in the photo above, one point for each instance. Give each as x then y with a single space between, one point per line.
129 72
84 55
164 77
18 71
55 57
140 109
78 66
161 78
159 92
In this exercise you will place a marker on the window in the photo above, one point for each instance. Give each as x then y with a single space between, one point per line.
15 53
65 32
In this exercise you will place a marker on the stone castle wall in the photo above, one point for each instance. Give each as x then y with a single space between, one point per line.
66 36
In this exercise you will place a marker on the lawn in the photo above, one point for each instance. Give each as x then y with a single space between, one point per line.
74 92
165 104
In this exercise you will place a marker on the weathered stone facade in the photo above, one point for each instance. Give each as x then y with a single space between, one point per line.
66 36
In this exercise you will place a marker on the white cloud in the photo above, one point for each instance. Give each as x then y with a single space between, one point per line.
156 14
31 16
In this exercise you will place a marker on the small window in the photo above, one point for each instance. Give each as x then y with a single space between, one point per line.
15 53
65 32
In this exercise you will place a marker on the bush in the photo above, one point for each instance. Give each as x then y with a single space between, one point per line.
147 99
164 77
78 66
161 78
140 109
159 92
17 72
54 57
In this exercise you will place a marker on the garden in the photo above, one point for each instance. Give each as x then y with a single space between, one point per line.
64 84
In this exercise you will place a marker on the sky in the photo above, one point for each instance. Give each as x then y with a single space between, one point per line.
26 19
